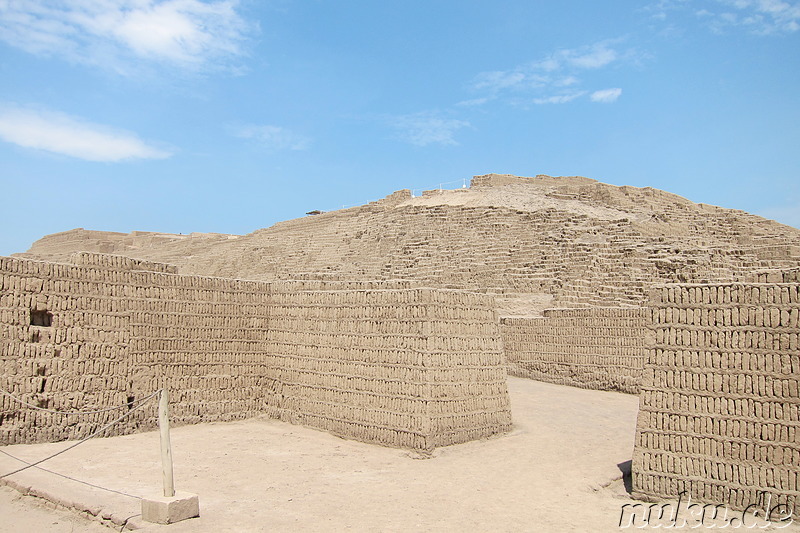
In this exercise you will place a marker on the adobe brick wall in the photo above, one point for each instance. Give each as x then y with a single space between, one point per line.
720 402
594 348
786 275
407 367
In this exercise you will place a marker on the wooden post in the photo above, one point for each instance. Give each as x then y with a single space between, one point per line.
170 507
166 448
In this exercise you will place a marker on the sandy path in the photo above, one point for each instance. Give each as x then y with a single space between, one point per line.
263 475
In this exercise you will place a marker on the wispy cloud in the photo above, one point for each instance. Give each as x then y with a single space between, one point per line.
543 80
427 128
595 56
272 137
72 136
558 98
763 17
660 9
119 34
475 101
606 96
758 16
496 81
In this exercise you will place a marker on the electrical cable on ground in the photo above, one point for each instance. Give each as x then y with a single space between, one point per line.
68 477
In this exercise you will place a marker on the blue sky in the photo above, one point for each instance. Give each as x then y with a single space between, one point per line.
225 116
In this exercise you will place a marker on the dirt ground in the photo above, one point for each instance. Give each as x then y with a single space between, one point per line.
558 470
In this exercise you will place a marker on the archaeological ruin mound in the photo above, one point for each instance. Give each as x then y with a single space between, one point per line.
396 322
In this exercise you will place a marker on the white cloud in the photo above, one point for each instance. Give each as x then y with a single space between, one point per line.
498 80
116 34
273 137
566 82
606 96
423 129
545 78
660 9
757 16
63 134
558 98
760 16
475 102
593 56
556 69
522 78
596 56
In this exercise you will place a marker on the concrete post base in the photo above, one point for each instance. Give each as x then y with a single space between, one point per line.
163 510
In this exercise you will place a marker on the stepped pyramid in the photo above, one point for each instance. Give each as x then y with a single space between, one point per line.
535 242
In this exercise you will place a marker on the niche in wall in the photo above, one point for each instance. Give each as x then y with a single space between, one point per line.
41 318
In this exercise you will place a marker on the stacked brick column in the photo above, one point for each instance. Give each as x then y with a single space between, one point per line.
720 403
